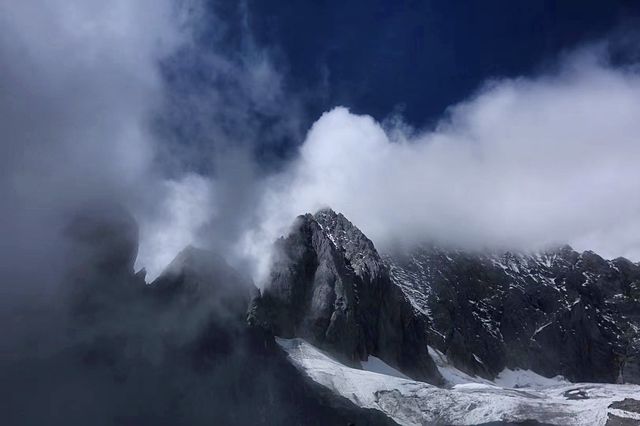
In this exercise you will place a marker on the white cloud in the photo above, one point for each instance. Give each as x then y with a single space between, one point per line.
79 80
523 164
183 209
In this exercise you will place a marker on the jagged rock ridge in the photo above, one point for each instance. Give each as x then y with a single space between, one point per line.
555 312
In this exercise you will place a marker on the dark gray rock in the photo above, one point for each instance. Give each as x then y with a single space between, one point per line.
329 285
613 420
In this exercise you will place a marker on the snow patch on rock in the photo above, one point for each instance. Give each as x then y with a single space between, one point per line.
527 379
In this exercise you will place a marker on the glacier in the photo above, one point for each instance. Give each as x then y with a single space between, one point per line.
514 396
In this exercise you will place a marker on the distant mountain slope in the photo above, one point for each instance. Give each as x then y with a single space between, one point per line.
556 312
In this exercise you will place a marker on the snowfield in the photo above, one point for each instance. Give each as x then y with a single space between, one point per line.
514 396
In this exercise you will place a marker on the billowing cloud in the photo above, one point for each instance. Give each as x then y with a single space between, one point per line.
523 164
79 82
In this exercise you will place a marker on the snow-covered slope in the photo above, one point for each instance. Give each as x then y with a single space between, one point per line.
468 400
507 378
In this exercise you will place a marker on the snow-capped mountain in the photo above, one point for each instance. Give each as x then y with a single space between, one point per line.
329 285
557 313
427 336
456 332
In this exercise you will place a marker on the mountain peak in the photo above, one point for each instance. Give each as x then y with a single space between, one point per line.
331 287
325 211
358 249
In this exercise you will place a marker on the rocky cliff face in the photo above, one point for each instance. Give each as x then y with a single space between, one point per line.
329 285
556 312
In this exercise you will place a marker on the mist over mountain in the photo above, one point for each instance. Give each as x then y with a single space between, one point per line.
488 175
196 126
270 213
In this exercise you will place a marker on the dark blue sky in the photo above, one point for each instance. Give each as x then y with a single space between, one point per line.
422 56
379 57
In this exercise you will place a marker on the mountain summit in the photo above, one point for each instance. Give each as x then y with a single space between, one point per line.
329 285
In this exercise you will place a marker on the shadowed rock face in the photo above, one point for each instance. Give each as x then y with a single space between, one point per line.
103 245
105 241
329 285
